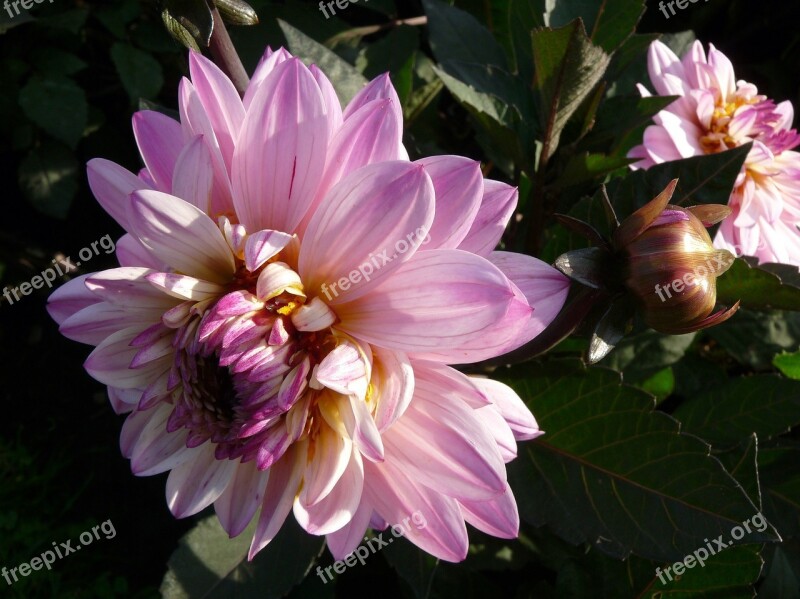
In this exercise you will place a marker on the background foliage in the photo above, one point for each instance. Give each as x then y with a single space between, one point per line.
670 440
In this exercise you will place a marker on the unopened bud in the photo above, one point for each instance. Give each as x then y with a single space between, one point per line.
671 266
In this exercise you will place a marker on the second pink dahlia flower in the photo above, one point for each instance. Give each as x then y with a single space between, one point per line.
291 293
714 113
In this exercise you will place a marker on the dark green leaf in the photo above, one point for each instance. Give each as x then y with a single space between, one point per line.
49 179
420 99
140 73
413 565
117 16
52 61
758 288
779 468
765 404
584 167
621 121
753 338
457 35
609 22
705 179
781 573
70 20
629 65
390 53
345 78
568 66
741 461
523 17
641 355
58 105
729 574
612 472
209 565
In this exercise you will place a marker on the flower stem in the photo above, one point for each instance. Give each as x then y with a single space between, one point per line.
225 55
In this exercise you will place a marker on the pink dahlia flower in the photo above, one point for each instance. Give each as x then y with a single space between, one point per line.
715 113
292 289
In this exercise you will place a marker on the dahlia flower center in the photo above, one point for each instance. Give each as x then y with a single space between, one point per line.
245 375
718 137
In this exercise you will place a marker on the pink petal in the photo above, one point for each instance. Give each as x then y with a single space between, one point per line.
181 235
110 362
396 497
666 71
498 204
723 70
365 229
498 517
372 134
184 287
242 497
544 287
458 182
70 298
193 178
283 142
337 508
501 433
284 478
332 104
332 454
393 381
160 141
195 121
263 245
511 407
441 443
378 89
344 370
449 305
659 144
155 450
263 70
344 541
220 100
94 323
360 425
128 287
196 484
131 252
112 185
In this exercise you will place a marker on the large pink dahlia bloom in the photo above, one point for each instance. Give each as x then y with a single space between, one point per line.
292 289
715 113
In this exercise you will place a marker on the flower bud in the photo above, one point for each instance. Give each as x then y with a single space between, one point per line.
671 266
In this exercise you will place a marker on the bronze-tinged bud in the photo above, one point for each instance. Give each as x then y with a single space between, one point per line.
237 12
671 266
